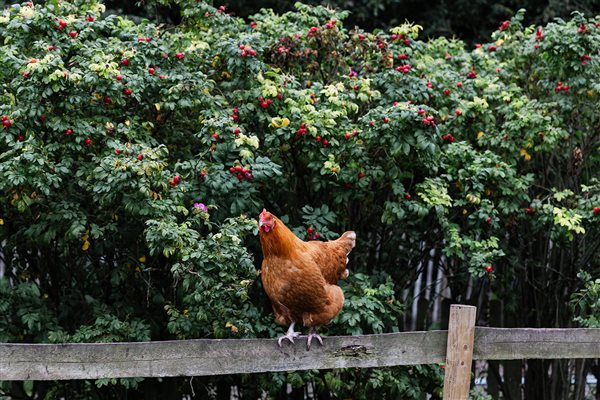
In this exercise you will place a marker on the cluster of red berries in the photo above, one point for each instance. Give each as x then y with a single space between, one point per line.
584 59
351 134
448 138
400 37
472 74
403 68
561 87
539 35
504 25
429 121
176 179
235 115
247 51
402 56
330 24
6 123
62 24
242 173
324 141
311 234
583 29
140 156
264 103
144 39
301 131
312 31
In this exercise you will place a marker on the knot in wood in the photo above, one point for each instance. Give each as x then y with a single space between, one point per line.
354 350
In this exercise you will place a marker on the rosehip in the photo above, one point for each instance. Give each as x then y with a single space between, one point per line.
318 138
264 104
87 141
118 151
179 56
596 210
89 18
20 138
127 92
407 196
119 78
125 62
68 132
140 157
176 178
73 34
6 123
325 143
151 71
215 136
488 269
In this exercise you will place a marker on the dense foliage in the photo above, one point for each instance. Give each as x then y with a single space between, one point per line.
134 158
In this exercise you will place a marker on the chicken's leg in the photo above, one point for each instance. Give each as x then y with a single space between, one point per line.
290 335
313 334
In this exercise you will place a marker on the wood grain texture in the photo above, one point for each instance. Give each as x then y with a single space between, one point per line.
459 353
215 357
527 343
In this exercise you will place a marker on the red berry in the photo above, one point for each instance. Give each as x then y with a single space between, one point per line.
317 235
140 157
361 175
62 24
488 269
118 151
325 143
596 210
504 25
446 92
51 47
347 136
236 131
176 178
6 123
68 132
162 76
429 85
171 183
458 112
151 71
231 169
529 210
407 196
489 220
472 75
20 138
459 84
119 78
125 62
89 18
386 120
492 48
264 104
179 56
318 138
310 230
87 141
73 34
215 136
127 92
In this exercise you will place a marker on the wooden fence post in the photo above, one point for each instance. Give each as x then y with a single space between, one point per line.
459 352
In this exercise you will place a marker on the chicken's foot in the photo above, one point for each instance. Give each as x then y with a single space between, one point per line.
313 334
290 335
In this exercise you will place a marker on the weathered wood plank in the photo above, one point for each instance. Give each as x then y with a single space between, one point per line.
215 357
459 353
528 343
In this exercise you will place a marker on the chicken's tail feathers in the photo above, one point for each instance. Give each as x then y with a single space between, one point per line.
350 235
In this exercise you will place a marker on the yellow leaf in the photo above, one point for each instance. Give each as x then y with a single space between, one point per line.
465 212
86 245
228 325
157 106
499 42
186 312
142 259
86 236
285 122
1 221
480 135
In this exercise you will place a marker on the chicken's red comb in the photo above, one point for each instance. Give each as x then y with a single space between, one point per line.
263 214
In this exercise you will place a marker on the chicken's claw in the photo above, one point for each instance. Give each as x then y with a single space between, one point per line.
290 335
313 334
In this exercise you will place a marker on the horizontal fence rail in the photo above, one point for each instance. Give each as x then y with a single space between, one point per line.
231 356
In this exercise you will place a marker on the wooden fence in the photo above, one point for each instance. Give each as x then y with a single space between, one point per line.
456 347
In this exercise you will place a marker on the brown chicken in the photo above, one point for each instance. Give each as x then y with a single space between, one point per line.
301 277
